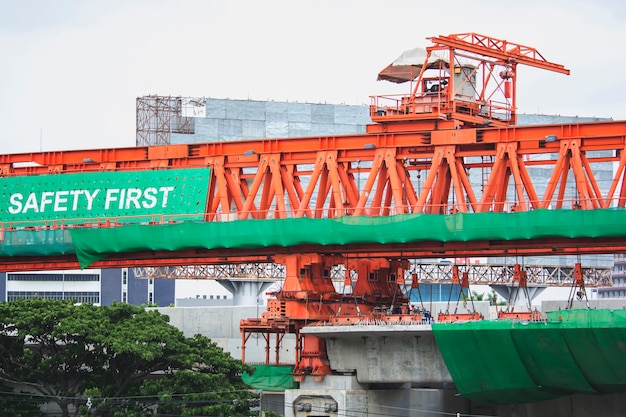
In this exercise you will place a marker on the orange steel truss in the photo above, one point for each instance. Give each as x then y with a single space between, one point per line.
380 174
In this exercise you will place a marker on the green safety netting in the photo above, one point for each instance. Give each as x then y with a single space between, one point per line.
505 362
270 378
597 342
95 244
44 242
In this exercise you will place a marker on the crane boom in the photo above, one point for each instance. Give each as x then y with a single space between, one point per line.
505 51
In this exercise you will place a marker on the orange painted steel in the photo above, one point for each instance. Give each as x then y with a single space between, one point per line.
313 361
464 80
520 278
454 317
308 295
533 315
378 174
500 49
279 328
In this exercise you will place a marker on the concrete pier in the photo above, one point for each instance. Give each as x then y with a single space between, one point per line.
385 354
340 395
246 292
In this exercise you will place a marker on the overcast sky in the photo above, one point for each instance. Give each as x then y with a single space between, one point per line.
70 70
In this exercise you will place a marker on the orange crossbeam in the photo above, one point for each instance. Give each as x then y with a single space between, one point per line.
412 250
378 174
454 317
500 49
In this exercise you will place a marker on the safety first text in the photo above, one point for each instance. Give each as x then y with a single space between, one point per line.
111 199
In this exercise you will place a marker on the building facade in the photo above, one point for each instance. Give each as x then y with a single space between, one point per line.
618 290
95 286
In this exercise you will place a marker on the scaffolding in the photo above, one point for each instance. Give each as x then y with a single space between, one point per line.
428 273
160 116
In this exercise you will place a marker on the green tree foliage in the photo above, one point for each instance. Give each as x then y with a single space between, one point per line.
116 361
477 297
492 298
19 404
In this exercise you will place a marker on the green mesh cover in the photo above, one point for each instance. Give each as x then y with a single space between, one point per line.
483 362
94 244
504 362
597 342
270 378
46 242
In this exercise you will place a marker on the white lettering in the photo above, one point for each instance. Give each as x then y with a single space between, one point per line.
110 197
75 194
60 198
150 199
90 197
165 191
46 198
16 203
132 197
122 194
31 203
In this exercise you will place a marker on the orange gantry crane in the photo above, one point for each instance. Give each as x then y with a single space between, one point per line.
462 80
449 146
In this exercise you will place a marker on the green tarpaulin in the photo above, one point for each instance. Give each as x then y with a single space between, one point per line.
94 244
270 378
597 342
505 362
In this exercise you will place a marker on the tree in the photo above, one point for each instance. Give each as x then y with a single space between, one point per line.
19 404
211 387
492 298
477 297
108 361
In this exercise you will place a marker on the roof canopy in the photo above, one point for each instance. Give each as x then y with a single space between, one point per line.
408 66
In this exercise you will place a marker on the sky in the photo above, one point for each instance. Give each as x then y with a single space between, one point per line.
71 70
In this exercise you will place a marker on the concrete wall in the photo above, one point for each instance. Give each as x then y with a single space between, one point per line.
221 325
203 302
390 354
354 399
600 303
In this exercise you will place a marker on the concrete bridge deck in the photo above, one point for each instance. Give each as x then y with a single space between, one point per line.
376 353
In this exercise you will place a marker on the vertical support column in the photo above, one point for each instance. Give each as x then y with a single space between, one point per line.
266 336
314 360
279 338
243 346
